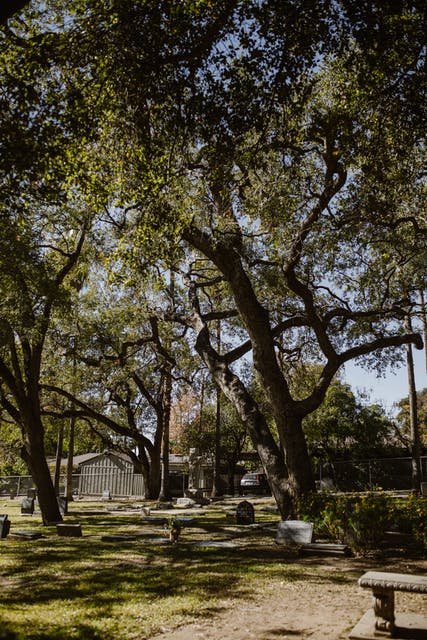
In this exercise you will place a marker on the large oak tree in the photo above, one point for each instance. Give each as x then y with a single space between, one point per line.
272 146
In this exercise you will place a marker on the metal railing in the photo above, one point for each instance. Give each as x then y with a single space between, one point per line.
362 475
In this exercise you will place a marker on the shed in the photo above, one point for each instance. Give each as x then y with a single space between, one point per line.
109 471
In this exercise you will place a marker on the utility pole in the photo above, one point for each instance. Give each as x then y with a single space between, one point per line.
58 458
71 430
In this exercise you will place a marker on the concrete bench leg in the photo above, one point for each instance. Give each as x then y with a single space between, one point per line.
383 601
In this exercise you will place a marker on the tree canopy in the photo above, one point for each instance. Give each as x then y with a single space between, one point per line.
270 154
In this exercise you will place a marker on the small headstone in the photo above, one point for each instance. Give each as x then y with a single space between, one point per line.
245 513
27 506
106 495
294 532
69 530
4 526
63 505
183 503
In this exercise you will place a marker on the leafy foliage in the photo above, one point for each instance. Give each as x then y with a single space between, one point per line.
361 520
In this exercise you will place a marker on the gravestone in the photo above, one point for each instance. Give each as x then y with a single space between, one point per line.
183 503
117 538
245 513
63 505
27 506
4 526
69 530
155 520
220 544
294 532
26 535
106 495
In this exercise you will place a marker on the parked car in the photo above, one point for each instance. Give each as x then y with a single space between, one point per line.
255 482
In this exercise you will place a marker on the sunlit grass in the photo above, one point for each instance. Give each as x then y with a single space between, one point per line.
86 588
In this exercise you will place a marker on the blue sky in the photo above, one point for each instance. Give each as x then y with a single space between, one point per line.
390 388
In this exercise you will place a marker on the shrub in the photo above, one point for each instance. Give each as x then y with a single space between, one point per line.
410 515
359 520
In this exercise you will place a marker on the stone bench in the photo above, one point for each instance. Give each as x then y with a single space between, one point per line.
381 621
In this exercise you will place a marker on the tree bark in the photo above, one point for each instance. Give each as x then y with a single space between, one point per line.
33 454
424 323
413 417
164 494
217 485
249 412
9 7
285 411
154 477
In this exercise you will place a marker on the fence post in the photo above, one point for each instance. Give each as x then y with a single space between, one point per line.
370 474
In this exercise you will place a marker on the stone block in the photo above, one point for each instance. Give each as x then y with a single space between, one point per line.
294 532
184 503
4 526
69 530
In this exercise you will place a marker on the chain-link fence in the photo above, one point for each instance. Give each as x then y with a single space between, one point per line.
343 475
363 475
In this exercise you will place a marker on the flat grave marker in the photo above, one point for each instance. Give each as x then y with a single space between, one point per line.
26 535
220 544
117 538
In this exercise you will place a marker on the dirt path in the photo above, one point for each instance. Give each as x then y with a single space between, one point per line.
324 605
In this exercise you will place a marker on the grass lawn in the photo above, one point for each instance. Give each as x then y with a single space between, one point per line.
86 588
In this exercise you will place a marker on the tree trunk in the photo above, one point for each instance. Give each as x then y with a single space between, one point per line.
257 323
413 417
269 453
231 472
164 494
300 473
33 454
424 323
154 476
217 484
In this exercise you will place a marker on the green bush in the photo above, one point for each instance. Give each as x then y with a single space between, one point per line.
357 520
361 520
410 515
